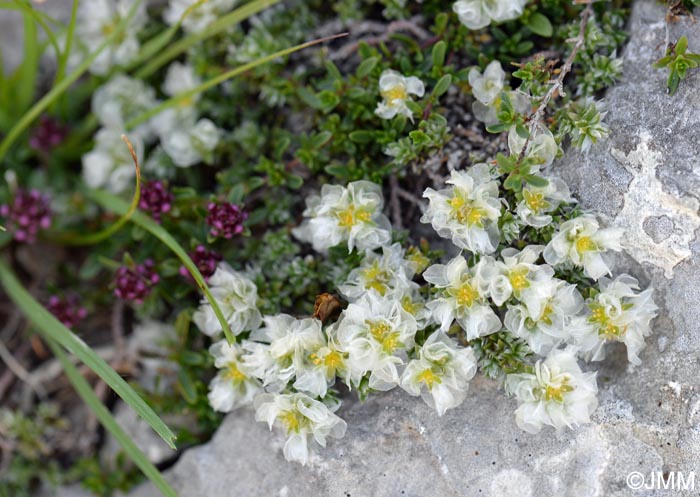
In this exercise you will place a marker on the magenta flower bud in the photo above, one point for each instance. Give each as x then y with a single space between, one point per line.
205 260
46 135
156 199
134 284
226 219
67 310
28 213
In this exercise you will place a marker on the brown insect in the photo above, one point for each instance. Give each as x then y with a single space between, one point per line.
326 306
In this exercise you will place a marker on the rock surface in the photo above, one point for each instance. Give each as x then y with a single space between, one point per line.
645 178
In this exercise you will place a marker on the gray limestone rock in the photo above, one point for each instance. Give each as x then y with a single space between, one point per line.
645 178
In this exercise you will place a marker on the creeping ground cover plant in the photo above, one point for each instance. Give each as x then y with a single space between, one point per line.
272 207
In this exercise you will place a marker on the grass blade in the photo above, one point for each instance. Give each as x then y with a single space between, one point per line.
63 59
63 85
54 329
174 101
103 415
181 46
121 207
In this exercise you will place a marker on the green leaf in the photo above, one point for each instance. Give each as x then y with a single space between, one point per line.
438 55
337 170
442 85
497 128
53 329
320 139
83 389
513 182
540 25
362 136
366 66
119 206
673 80
681 45
537 181
187 386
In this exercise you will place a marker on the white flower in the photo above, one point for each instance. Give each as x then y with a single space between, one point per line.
487 89
121 99
617 314
386 274
352 214
557 394
513 274
441 373
462 297
290 341
543 318
198 18
375 332
581 242
237 298
538 202
109 164
477 14
98 19
300 416
180 78
233 386
468 210
187 146
320 367
541 145
488 86
396 89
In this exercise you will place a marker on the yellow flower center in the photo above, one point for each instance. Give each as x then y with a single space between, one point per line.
384 335
535 201
429 378
465 295
394 94
234 374
518 279
606 328
556 393
349 217
292 421
585 244
409 306
465 212
375 277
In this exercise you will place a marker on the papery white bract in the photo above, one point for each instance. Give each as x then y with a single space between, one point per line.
441 373
233 386
619 313
543 317
582 242
488 86
237 297
540 146
375 333
462 297
467 211
198 17
396 89
351 214
556 394
109 164
301 417
97 20
189 145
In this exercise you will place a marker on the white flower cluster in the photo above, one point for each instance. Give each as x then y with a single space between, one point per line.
186 139
477 14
